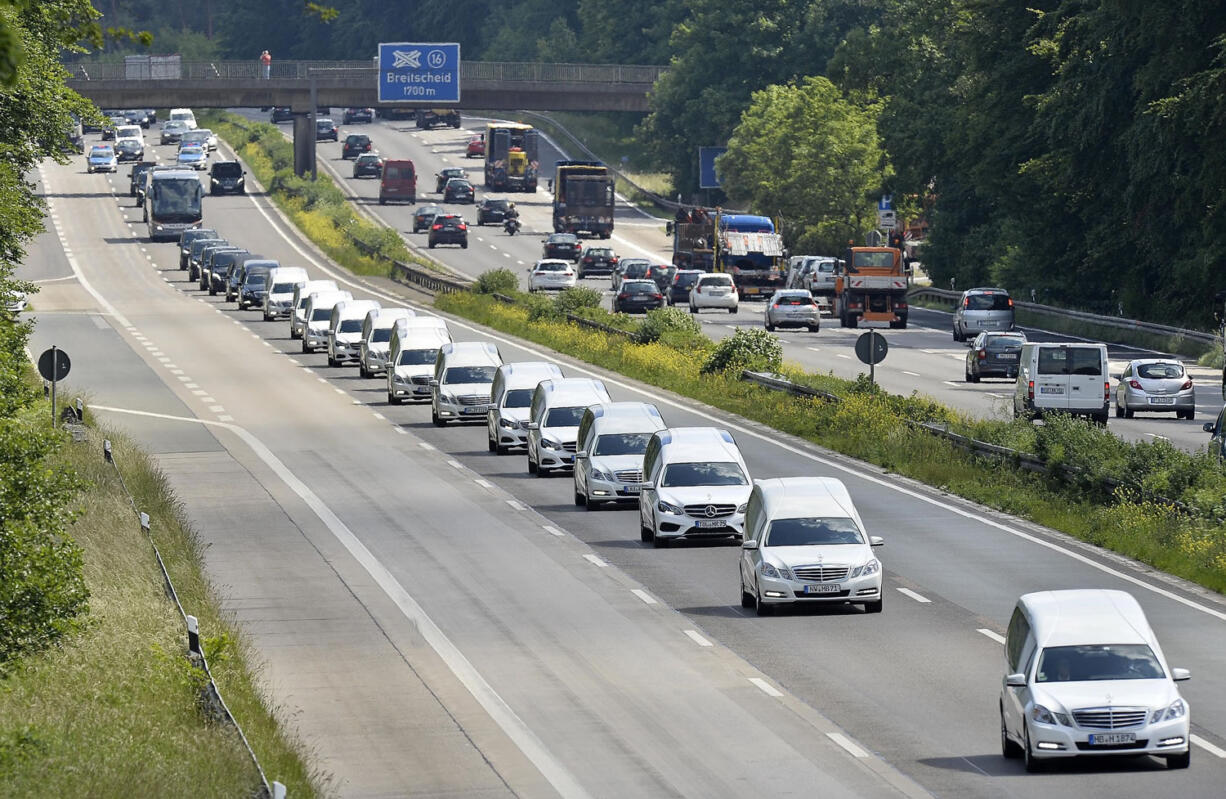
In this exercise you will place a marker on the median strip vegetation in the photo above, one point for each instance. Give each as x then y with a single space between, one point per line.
871 425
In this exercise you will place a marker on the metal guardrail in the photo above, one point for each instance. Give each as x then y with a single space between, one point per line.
407 273
1116 322
501 71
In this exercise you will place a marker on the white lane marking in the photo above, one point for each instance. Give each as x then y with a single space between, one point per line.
294 361
516 504
997 637
848 744
957 357
174 371
184 378
399 430
356 402
225 418
770 439
489 699
190 385
201 393
549 528
647 598
595 561
814 349
380 416
216 408
322 379
841 355
338 390
455 464
694 636
993 395
765 687
953 383
913 374
424 445
483 483
923 600
1216 751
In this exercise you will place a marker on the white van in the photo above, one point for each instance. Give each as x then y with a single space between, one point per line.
413 350
553 421
375 342
806 543
1063 378
695 485
463 377
345 329
318 316
510 399
611 442
279 301
130 132
183 115
1085 676
302 293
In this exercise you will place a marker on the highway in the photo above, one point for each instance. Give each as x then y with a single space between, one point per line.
385 566
924 358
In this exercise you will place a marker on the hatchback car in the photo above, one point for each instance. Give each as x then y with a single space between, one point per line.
637 296
982 309
423 217
101 158
136 178
683 281
476 147
714 291
227 177
202 136
355 144
551 274
129 150
597 260
448 229
193 156
325 130
662 274
792 308
459 190
441 178
994 355
368 164
629 269
352 115
563 245
173 131
1155 385
492 212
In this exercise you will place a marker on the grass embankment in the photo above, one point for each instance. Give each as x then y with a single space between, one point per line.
320 209
870 425
112 711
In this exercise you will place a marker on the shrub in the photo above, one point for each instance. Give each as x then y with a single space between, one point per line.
752 349
576 299
667 320
497 281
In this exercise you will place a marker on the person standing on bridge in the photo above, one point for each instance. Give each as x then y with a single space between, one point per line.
266 64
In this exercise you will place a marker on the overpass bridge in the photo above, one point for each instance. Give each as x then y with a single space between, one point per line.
305 85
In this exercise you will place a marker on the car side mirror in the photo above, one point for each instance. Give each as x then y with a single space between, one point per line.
1179 675
580 455
751 544
534 425
1209 427
876 541
1016 681
434 382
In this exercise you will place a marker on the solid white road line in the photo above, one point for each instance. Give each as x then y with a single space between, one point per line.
848 744
765 687
913 374
923 600
595 561
997 637
1216 751
647 598
694 636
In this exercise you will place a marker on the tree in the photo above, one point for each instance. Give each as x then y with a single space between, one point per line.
806 153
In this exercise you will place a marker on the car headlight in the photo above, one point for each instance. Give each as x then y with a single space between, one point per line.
668 507
600 474
872 567
1175 710
1044 716
779 572
741 508
509 424
448 398
215 181
547 444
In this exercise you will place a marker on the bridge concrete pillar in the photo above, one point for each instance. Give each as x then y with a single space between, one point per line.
304 143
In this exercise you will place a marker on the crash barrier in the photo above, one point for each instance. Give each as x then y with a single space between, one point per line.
210 697
1023 460
430 281
578 320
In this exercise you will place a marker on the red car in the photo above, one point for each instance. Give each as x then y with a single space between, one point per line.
476 147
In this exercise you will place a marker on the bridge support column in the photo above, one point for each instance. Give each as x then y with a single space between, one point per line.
304 143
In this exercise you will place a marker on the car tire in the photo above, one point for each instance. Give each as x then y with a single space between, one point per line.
759 607
747 599
732 310
362 370
646 535
874 607
464 245
770 328
1033 764
532 467
1008 749
580 500
305 348
1128 412
392 399
1180 761
814 328
1190 414
436 419
1119 411
490 443
659 542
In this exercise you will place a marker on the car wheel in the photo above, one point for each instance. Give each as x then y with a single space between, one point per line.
434 417
580 500
1191 414
1128 412
747 599
362 370
874 607
814 328
732 309
973 378
770 328
392 399
645 533
1033 764
305 348
1119 411
760 607
431 245
464 245
532 467
499 449
1008 749
1180 761
491 444
956 335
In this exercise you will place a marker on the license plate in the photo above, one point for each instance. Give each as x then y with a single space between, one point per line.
710 523
1007 356
1109 738
823 588
631 489
1051 389
1161 400
474 409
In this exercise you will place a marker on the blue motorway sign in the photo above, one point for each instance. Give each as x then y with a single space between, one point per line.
707 179
419 72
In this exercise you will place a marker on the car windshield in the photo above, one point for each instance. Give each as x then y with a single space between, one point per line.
564 417
812 532
255 279
351 326
622 444
1159 371
636 270
227 170
1070 361
684 281
104 151
684 475
562 238
321 314
988 302
1098 662
639 287
551 267
381 334
417 357
518 398
282 288
455 183
600 253
496 205
469 374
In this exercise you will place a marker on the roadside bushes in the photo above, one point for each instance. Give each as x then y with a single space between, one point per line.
576 300
672 325
497 281
752 349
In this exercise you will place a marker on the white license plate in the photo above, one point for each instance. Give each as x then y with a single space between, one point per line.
823 588
474 409
1161 400
631 489
1109 738
1007 356
709 523
1051 389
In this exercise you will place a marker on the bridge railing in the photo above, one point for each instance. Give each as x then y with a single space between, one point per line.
502 71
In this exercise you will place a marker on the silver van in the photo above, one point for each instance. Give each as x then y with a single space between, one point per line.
1063 378
511 399
981 309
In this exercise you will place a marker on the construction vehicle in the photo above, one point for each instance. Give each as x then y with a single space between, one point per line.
871 285
582 198
746 247
511 161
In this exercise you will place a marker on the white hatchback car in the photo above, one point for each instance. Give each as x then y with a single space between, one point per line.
714 291
805 543
551 274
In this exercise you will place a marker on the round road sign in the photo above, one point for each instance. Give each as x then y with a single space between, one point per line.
871 347
53 364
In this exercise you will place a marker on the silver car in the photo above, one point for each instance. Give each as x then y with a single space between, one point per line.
792 308
1155 384
980 310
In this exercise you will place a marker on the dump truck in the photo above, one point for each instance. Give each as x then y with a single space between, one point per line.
511 160
871 286
742 245
583 198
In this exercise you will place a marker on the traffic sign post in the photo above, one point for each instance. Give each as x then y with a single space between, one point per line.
54 365
419 72
707 179
871 348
